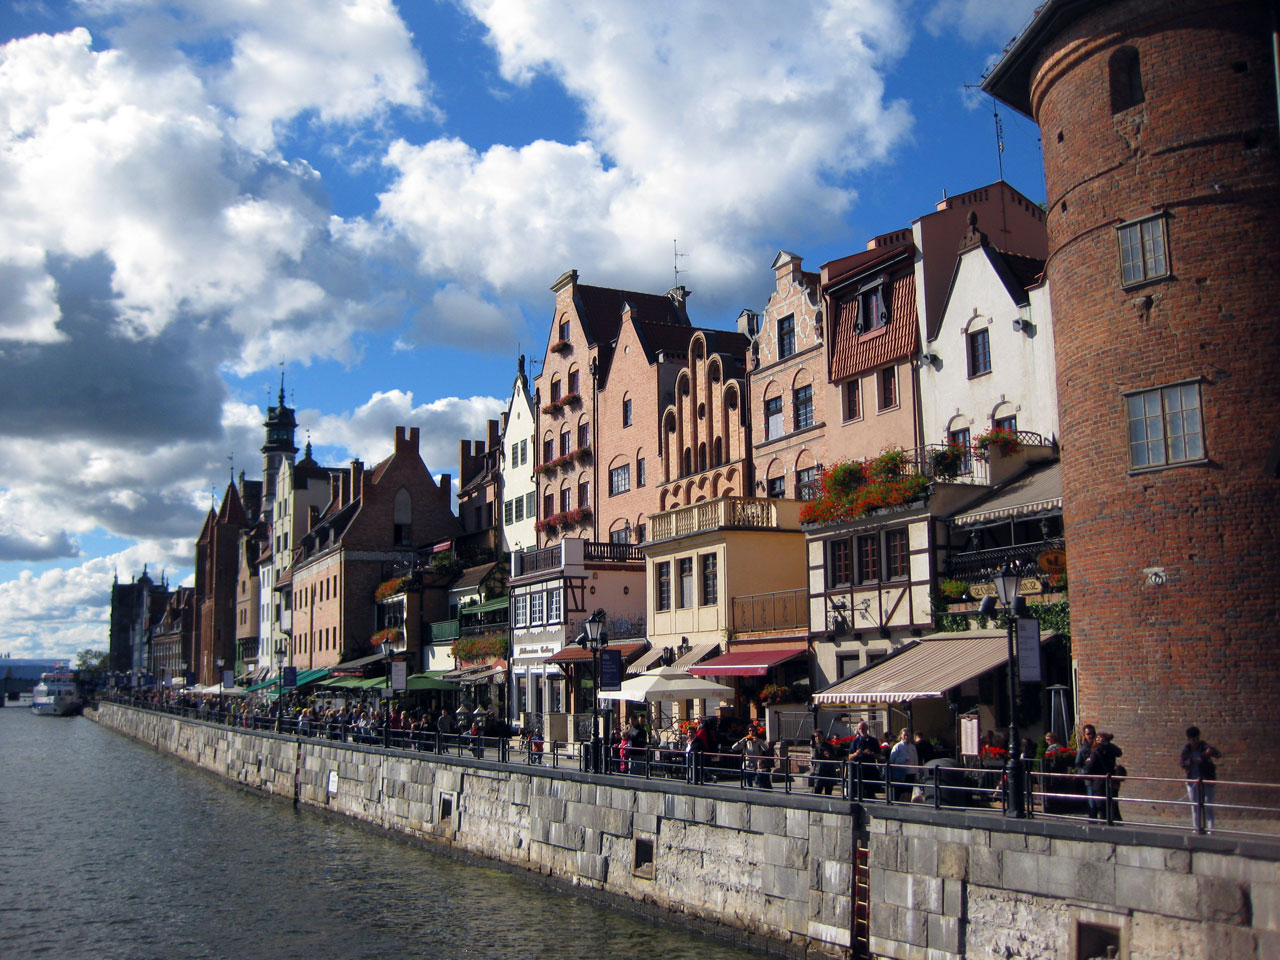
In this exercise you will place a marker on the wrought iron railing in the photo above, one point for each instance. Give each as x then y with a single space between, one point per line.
974 565
780 610
594 550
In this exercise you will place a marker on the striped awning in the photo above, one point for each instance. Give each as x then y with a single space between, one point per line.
648 659
928 668
1037 491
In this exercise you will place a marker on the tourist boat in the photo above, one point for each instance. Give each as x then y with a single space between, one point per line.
55 695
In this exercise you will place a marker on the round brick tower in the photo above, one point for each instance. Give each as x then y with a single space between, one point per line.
1162 165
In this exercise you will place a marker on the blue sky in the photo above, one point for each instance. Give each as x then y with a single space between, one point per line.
375 197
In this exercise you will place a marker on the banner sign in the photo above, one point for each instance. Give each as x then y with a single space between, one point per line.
1029 650
290 675
610 669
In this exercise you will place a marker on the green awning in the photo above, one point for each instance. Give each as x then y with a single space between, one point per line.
340 682
304 677
497 603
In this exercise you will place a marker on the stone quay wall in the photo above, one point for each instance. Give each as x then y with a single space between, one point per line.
793 873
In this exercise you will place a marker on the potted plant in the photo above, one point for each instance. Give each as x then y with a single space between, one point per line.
997 438
953 589
945 462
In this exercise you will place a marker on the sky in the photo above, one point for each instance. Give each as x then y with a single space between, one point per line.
373 198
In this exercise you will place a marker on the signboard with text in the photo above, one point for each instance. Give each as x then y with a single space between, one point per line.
289 677
1029 650
399 675
610 669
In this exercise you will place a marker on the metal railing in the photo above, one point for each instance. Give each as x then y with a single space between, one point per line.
982 564
1226 807
536 561
780 610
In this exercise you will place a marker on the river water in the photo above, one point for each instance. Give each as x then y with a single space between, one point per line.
111 850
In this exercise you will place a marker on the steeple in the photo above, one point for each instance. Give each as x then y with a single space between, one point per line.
280 424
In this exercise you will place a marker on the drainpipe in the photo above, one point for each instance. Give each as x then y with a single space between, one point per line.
1275 53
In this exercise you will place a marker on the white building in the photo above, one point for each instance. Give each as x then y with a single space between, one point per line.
519 486
990 362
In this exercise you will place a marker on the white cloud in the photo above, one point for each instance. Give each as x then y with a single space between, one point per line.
981 21
706 123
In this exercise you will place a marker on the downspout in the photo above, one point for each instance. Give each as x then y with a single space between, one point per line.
1275 53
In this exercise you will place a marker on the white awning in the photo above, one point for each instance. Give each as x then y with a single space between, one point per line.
928 668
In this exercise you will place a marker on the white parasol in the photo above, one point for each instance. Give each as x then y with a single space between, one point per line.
668 683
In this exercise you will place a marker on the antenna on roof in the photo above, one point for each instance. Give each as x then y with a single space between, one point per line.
675 263
231 466
995 112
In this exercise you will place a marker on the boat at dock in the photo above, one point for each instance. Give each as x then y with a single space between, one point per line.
55 696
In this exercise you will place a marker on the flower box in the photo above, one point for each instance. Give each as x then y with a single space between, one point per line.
853 488
561 346
1005 441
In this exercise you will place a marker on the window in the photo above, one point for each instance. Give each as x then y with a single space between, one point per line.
524 451
662 591
522 610
529 503
555 606
871 309
773 418
786 336
869 558
584 494
548 450
1126 79
897 558
710 583
979 352
1165 426
515 454
573 381
1142 251
548 505
555 390
640 472
564 329
584 435
807 483
685 597
508 512
776 487
564 443
535 609
626 413
840 563
1006 423
519 508
566 499
852 399
960 438
804 407
641 532
621 535
619 479
888 388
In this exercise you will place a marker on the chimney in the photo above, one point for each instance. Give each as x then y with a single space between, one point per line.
401 438
413 438
493 433
786 269
313 517
357 479
345 480
465 471
748 323
335 489
505 415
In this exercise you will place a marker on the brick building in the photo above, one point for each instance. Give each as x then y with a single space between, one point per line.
217 583
480 496
1158 119
135 608
373 525
172 639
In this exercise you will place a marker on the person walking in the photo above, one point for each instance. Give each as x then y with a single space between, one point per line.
905 761
1202 773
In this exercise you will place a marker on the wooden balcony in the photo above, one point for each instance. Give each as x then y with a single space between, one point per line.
780 610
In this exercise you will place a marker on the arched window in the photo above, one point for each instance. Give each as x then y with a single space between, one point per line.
1126 80
688 462
402 518
717 456
702 457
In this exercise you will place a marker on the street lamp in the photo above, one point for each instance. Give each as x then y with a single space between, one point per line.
220 663
594 636
387 651
1007 581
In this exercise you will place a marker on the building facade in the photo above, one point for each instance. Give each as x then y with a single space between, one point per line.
519 485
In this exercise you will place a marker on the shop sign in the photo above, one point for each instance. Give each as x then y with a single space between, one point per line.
1029 650
1027 586
1053 562
536 651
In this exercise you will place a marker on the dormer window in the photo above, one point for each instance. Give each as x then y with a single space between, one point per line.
872 314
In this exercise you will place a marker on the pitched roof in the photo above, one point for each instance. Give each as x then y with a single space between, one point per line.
853 353
838 271
472 577
1016 272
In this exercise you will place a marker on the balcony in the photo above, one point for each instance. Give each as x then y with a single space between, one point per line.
444 630
572 552
737 513
976 566
781 610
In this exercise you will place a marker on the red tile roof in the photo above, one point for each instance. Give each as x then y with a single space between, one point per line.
853 353
572 653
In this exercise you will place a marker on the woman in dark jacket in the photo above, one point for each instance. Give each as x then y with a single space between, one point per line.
1102 761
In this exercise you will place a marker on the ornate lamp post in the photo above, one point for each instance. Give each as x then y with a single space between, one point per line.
593 636
1007 581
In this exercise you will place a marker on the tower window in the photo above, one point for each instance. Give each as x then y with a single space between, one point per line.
1142 251
1165 426
1126 80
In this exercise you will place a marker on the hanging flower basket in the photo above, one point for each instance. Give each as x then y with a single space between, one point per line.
1005 441
561 346
582 455
945 462
553 408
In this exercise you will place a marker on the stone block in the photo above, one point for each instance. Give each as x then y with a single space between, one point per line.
1265 898
1021 871
1082 849
798 824
953 898
915 927
836 877
885 920
984 866
704 810
766 819
895 888
783 851
1095 882
953 860
1008 841
644 823
735 816
778 881
944 933
1154 858
922 856
1223 901
884 852
1169 894
592 866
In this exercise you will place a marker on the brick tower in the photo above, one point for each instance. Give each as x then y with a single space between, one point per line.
1159 125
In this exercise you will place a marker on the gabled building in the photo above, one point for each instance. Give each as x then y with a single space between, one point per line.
135 609
173 639
218 555
374 523
519 486
480 496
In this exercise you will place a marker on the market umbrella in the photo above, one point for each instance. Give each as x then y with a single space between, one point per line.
668 683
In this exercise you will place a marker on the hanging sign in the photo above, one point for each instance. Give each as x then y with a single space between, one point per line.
399 675
1029 650
610 669
289 677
